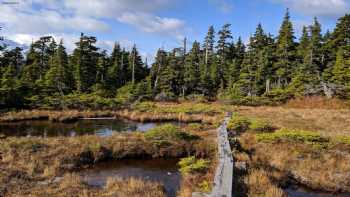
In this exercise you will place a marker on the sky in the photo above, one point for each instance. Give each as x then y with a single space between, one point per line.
154 24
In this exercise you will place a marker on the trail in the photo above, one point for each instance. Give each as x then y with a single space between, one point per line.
222 186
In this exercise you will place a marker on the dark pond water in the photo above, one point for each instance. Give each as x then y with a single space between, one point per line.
302 192
164 171
101 127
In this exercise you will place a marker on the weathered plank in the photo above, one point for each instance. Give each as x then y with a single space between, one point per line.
222 186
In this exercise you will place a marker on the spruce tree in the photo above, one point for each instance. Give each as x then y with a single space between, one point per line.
85 60
222 51
192 70
285 52
58 78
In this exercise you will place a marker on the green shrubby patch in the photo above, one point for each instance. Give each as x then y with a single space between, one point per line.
238 123
300 136
343 139
260 125
168 132
241 124
190 165
197 108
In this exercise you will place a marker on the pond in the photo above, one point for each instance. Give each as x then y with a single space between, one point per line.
163 171
303 192
101 127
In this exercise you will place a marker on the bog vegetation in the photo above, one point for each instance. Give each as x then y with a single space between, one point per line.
268 70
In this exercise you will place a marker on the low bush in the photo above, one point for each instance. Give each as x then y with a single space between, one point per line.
168 132
238 124
307 137
260 125
190 165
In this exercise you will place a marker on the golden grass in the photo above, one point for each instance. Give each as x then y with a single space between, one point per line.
325 121
29 159
72 186
259 184
320 169
58 116
317 102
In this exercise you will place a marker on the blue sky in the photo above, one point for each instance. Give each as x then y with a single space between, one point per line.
152 24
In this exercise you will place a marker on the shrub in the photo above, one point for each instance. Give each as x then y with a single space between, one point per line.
168 132
126 94
343 139
238 123
307 137
260 125
190 165
144 106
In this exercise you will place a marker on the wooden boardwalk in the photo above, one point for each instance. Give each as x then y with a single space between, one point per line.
222 186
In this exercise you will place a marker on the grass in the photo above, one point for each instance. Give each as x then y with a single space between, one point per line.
27 160
190 165
312 160
327 122
317 102
315 158
73 185
55 116
259 184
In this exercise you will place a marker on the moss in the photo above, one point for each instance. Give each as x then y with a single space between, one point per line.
190 165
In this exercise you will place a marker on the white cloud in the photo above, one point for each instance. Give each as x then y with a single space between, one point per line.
154 24
223 5
327 8
31 19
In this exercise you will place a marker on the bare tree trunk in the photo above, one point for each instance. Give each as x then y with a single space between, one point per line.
267 86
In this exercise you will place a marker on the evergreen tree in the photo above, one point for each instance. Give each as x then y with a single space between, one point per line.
208 45
85 60
58 77
341 69
222 51
285 52
192 70
114 70
137 68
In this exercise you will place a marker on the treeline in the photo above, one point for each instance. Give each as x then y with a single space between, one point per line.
268 70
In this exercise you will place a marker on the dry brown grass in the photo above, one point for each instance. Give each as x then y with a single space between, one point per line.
325 121
58 116
317 102
133 187
72 186
259 184
321 169
27 160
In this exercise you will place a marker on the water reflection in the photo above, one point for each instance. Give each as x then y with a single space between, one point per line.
101 127
163 171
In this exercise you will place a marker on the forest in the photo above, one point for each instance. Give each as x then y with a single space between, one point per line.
267 70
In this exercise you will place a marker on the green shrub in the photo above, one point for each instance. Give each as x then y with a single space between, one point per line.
168 132
260 125
301 136
144 106
238 123
126 94
343 139
190 165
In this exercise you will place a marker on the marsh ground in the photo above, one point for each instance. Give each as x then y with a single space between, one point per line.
275 147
